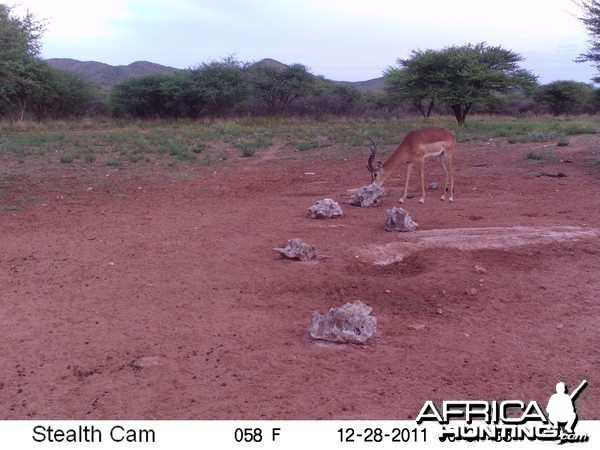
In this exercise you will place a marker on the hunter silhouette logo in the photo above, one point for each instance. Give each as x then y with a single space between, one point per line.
561 407
509 420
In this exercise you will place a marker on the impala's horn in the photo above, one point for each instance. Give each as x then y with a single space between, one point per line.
373 148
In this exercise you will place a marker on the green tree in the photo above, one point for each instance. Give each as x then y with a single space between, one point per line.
19 41
40 91
58 94
17 88
330 97
19 47
415 81
594 103
278 87
212 88
457 76
591 20
564 97
143 97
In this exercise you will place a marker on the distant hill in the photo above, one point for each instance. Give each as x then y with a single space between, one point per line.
268 62
107 76
375 84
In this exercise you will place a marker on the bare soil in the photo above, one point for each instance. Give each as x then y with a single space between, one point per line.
148 292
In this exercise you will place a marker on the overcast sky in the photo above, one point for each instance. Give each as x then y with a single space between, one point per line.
351 40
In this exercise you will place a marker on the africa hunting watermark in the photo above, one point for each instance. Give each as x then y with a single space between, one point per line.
510 420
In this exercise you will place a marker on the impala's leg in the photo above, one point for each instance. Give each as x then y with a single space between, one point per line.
408 171
444 165
450 164
421 163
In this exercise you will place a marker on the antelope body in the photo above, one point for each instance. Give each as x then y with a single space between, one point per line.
415 147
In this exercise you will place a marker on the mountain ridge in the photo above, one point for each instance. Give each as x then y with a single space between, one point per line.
107 75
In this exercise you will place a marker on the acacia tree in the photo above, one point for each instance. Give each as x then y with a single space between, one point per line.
219 85
458 76
212 88
415 81
279 87
591 21
19 40
145 97
337 99
19 47
42 92
28 85
564 97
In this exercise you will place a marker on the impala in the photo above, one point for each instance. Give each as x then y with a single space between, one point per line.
416 146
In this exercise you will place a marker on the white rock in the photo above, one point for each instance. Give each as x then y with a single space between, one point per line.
297 249
399 220
325 209
147 361
350 323
371 195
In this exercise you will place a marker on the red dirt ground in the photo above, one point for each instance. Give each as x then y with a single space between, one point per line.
147 292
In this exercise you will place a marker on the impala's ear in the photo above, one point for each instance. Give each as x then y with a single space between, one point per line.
380 164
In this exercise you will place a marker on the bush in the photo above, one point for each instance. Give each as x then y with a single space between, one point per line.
143 97
565 97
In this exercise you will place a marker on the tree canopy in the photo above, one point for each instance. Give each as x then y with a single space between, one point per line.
213 89
564 97
591 20
28 85
279 87
457 76
209 89
19 41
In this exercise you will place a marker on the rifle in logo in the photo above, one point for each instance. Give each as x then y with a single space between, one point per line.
561 407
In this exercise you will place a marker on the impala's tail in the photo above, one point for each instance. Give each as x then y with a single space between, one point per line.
373 148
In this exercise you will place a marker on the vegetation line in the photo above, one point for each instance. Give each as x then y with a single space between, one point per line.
456 81
114 142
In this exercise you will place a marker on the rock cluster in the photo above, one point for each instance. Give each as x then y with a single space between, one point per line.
350 323
371 195
325 209
399 220
297 249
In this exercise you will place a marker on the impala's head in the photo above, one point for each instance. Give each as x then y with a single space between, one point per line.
375 171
